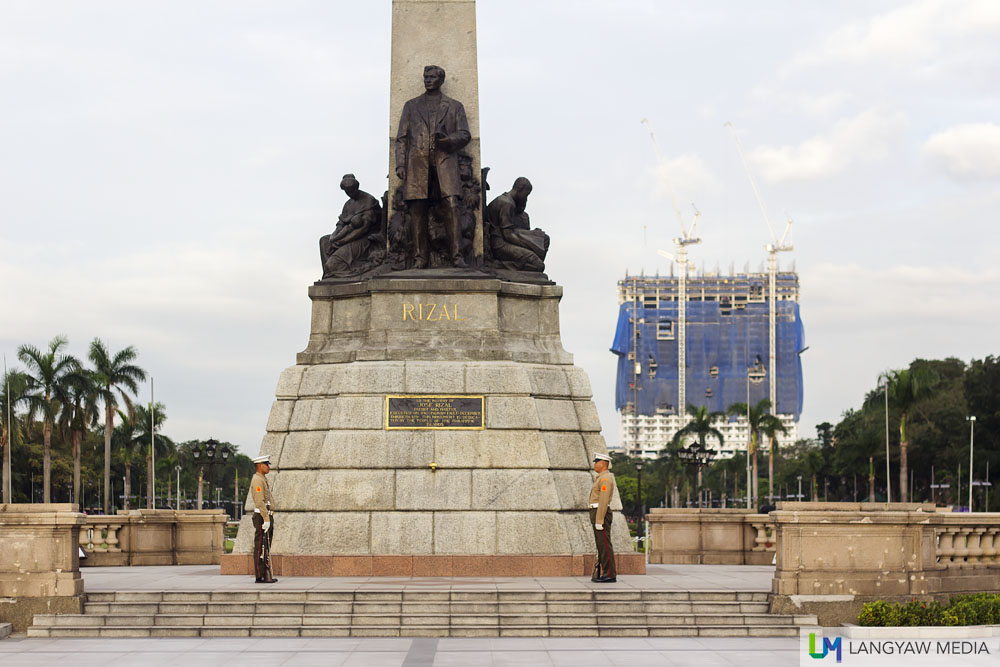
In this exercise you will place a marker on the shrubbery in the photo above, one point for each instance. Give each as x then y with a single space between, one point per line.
974 609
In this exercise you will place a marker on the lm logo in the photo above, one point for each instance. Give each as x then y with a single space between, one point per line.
828 645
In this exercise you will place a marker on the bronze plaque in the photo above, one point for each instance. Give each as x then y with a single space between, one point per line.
434 412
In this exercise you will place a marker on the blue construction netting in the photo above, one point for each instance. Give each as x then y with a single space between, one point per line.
720 349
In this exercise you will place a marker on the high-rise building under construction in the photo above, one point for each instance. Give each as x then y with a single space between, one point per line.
727 358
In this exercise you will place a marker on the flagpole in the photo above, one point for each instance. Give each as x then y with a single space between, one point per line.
10 440
152 440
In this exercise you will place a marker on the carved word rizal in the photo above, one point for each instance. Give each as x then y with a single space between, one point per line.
431 312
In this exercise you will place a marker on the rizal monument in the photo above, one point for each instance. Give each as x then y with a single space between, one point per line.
433 425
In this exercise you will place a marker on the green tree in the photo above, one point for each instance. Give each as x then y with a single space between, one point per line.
48 371
168 461
905 388
700 428
756 415
770 426
146 419
79 410
117 377
127 440
13 395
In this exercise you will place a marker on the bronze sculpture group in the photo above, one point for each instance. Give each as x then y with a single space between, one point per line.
432 222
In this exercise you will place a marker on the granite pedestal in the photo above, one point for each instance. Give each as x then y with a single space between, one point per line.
355 497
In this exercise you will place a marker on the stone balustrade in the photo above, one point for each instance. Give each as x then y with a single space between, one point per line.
153 537
832 557
710 536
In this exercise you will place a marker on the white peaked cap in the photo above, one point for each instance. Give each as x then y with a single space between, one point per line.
266 458
602 457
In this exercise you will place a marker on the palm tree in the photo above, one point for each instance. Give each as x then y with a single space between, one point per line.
126 440
13 395
756 414
143 420
770 427
905 388
701 428
168 460
114 373
78 411
48 372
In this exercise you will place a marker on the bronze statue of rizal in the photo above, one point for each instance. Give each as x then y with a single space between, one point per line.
432 129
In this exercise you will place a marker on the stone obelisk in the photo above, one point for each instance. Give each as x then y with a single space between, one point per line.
433 425
443 33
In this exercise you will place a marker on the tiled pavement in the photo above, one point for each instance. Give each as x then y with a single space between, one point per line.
403 652
207 578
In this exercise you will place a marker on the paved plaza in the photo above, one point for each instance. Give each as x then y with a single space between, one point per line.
410 652
207 578
401 652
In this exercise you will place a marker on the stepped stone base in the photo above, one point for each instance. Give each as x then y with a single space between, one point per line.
440 611
433 565
356 494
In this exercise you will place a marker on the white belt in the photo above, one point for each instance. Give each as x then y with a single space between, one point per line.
594 505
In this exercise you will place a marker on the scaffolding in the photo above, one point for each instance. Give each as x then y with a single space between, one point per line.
727 332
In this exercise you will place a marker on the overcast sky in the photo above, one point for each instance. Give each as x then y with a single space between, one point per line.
167 167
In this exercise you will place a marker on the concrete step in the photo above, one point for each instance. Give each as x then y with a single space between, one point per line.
97 624
578 630
420 608
427 596
6 629
276 606
530 618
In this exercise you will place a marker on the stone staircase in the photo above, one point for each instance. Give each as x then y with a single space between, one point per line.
582 613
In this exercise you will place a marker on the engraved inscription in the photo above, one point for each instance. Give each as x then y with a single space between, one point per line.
434 412
431 312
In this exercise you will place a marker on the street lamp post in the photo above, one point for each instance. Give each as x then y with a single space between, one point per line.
756 373
642 505
178 469
698 456
208 453
972 435
884 379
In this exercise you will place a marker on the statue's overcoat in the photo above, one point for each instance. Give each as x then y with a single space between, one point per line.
416 148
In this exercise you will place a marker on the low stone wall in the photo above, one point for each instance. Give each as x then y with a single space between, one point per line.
39 562
154 537
833 557
710 536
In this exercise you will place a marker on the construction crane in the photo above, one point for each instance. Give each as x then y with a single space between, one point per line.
773 248
681 242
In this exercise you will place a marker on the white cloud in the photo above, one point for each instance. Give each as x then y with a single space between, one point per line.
866 137
967 152
689 178
860 321
910 35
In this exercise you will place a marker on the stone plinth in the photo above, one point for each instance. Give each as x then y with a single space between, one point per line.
848 548
833 557
388 500
710 536
39 561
